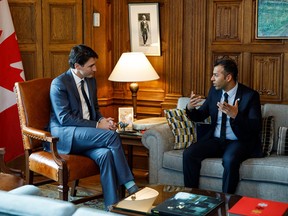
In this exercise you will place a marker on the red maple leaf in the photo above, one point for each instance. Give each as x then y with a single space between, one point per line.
9 54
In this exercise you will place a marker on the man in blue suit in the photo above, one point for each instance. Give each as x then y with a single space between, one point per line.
81 128
238 138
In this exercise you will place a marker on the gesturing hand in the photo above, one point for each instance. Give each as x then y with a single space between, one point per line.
195 101
228 109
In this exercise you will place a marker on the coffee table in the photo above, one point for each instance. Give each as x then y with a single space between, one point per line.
166 191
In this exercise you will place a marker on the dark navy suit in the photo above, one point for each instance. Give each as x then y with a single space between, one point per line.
80 136
246 126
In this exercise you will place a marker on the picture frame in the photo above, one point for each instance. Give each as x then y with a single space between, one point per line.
144 28
126 115
271 19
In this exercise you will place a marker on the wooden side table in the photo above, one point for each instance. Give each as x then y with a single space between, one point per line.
131 140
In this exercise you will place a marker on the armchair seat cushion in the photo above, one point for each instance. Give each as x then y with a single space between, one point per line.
79 166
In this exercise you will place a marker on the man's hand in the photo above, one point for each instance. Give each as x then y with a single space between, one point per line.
229 110
107 123
195 101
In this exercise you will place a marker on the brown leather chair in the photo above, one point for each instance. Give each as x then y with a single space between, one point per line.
33 101
9 178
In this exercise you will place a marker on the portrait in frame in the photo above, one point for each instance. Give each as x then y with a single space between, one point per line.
144 28
271 19
126 115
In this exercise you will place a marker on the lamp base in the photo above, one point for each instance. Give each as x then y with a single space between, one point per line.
134 87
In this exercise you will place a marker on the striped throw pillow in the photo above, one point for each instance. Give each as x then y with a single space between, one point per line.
282 147
182 128
267 135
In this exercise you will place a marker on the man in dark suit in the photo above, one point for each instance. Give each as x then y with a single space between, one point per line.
239 137
81 128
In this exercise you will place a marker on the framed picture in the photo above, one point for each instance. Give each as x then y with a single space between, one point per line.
125 115
144 28
271 19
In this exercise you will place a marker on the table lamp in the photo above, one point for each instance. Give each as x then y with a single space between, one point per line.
133 67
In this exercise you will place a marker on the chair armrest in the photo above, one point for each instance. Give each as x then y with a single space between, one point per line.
46 137
39 134
157 140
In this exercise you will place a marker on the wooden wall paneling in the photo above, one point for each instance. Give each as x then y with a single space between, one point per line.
150 94
285 76
62 29
26 15
267 76
173 55
173 36
194 47
101 42
228 21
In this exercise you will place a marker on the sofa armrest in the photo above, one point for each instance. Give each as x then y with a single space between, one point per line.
16 204
26 190
157 140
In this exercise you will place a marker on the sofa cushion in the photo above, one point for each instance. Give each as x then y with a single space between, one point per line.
268 169
182 128
267 134
173 160
282 147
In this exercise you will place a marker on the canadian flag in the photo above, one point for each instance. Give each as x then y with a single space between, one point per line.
11 71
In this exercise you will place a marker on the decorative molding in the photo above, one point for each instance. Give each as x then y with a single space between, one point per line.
267 75
228 22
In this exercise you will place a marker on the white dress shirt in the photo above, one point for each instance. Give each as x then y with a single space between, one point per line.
85 110
229 132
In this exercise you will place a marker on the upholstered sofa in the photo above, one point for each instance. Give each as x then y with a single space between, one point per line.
265 178
26 201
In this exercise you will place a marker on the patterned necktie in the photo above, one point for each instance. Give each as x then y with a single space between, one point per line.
223 122
86 98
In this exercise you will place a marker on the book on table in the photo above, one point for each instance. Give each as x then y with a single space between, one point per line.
184 203
258 207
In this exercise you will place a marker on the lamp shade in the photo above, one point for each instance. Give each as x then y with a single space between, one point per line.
133 67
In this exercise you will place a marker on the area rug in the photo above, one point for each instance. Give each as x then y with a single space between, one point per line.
50 190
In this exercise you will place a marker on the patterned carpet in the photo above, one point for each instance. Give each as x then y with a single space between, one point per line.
50 190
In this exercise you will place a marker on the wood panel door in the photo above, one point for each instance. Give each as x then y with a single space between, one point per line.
46 31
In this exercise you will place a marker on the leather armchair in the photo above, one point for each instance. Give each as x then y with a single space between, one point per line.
33 101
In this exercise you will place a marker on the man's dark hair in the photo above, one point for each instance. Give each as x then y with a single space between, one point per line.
81 54
229 65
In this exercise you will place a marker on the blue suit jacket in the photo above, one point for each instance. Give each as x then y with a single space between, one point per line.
66 110
246 125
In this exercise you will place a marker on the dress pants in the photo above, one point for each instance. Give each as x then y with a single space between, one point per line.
105 148
233 153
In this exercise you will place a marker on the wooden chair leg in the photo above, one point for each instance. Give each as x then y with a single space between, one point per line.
63 192
74 188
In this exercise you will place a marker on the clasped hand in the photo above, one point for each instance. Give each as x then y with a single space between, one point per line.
107 123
